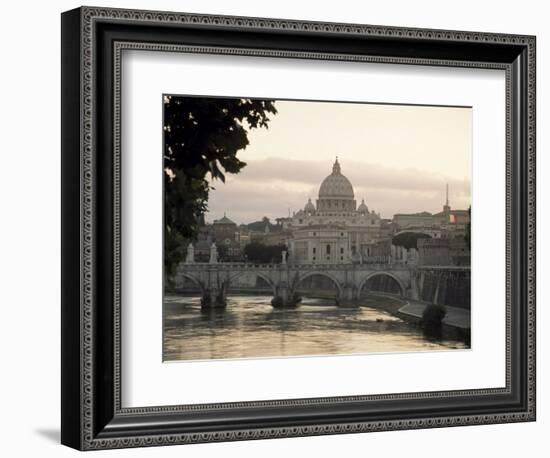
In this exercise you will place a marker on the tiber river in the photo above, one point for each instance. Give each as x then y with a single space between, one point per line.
250 327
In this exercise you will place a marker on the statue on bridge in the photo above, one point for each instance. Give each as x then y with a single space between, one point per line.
213 254
190 258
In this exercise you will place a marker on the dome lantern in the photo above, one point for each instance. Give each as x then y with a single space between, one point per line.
336 167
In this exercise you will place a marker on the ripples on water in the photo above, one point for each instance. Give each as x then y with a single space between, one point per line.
250 327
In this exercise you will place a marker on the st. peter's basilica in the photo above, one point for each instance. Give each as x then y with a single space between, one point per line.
334 230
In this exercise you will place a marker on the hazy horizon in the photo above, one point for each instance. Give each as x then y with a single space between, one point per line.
398 158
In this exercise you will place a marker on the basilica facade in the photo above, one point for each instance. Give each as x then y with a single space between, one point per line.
334 230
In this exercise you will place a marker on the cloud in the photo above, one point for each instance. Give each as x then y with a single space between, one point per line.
271 186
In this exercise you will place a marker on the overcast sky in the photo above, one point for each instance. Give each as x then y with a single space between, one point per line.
397 157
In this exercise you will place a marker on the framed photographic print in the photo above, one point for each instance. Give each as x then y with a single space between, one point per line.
277 228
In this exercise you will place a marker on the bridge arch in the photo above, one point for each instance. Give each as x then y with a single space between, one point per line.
399 282
193 279
322 274
263 276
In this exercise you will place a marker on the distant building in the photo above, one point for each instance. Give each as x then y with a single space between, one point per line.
284 222
320 244
413 220
230 251
387 229
433 252
459 252
224 229
448 223
379 251
243 236
334 229
275 238
443 252
202 250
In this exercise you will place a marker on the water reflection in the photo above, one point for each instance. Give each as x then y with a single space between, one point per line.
250 327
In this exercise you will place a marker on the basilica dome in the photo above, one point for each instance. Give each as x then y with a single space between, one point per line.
309 208
336 185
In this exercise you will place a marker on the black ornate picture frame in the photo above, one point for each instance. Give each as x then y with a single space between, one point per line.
92 42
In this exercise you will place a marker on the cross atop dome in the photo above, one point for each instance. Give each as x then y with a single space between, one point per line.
336 167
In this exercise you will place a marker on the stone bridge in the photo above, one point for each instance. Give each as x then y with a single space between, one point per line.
214 279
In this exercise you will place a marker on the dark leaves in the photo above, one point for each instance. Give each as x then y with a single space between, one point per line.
202 137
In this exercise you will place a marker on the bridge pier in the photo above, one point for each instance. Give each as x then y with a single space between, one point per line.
214 298
285 296
349 292
348 295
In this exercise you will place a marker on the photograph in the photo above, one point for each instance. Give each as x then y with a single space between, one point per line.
314 228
